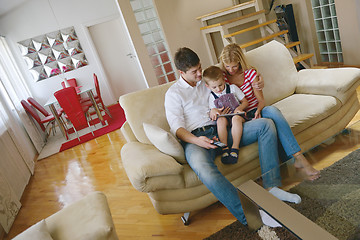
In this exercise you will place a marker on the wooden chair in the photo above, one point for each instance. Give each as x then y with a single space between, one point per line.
76 113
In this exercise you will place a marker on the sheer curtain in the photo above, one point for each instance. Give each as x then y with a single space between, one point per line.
16 90
9 200
16 148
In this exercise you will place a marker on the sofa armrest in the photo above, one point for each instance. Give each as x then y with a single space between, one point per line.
337 82
128 133
87 218
143 161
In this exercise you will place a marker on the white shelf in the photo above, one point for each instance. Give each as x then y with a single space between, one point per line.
327 30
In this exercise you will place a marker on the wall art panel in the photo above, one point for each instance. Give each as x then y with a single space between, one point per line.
53 53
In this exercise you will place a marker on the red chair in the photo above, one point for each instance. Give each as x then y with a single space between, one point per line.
98 97
76 113
41 109
72 82
36 117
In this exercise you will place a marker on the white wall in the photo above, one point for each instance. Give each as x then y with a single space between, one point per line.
181 29
348 13
117 57
35 17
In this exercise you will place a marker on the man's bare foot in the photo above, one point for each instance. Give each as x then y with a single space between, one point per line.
302 163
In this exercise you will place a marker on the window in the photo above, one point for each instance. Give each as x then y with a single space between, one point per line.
327 30
154 40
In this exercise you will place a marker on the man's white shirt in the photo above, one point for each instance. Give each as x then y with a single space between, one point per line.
187 106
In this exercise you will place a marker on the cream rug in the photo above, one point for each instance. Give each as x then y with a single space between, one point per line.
54 142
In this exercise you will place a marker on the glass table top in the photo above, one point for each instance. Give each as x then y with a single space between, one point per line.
315 200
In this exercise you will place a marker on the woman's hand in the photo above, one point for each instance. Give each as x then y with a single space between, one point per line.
257 114
258 83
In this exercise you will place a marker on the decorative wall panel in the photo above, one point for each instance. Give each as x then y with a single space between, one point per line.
51 54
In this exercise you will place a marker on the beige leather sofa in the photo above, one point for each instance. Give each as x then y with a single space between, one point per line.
89 218
317 103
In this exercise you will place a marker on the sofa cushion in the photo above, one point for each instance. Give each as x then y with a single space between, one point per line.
165 142
39 231
304 110
274 62
145 106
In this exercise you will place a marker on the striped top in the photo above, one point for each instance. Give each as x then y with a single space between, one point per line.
246 88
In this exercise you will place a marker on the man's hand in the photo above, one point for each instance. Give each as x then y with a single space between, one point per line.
258 83
201 141
205 142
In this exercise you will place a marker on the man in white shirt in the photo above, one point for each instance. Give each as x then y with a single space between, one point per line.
187 112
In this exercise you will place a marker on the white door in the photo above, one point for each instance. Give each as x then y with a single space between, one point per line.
118 57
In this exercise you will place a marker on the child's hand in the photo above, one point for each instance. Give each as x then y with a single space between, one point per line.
225 110
214 113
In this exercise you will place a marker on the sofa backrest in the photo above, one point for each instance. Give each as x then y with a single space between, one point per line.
145 106
274 62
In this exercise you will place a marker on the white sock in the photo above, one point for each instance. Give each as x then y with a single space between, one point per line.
285 196
267 220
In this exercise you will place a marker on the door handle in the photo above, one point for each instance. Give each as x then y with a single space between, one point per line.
131 55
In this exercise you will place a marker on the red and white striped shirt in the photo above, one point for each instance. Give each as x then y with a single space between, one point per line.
246 88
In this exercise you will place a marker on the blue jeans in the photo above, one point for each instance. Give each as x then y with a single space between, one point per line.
201 160
284 133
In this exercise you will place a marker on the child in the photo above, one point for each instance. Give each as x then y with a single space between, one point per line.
225 97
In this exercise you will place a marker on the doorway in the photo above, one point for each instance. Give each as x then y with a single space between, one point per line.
118 57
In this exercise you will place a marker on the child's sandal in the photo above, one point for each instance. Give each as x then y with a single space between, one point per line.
225 156
233 156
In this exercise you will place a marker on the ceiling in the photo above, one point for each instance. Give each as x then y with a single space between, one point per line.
8 5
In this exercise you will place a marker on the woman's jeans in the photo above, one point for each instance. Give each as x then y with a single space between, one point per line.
201 160
284 133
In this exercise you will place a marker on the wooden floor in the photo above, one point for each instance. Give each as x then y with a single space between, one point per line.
96 165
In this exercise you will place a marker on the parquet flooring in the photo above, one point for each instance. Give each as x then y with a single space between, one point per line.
96 165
